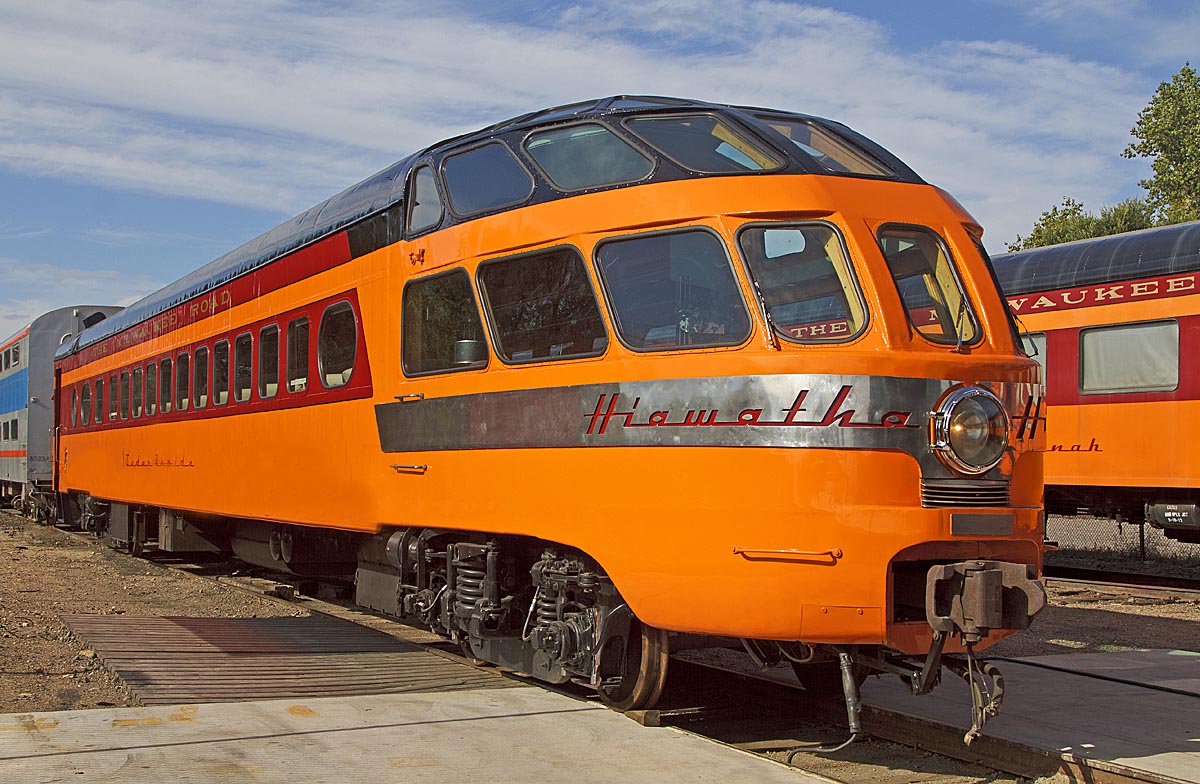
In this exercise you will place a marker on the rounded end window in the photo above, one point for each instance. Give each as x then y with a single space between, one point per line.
970 430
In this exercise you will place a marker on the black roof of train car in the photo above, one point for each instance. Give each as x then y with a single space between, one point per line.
383 190
1164 250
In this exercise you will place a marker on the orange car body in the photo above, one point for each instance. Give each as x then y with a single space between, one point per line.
710 519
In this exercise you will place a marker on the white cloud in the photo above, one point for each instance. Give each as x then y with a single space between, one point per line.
44 287
278 104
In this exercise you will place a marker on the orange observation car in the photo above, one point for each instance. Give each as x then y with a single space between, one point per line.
590 384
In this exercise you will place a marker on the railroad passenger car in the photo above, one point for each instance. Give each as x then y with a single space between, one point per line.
1115 321
26 404
590 379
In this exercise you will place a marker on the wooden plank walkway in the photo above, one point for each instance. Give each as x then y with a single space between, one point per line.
168 660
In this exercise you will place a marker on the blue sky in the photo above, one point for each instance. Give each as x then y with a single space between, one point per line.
141 139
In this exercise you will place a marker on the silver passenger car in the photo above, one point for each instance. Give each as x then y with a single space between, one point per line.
27 405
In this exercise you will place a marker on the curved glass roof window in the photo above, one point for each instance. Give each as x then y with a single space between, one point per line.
831 152
806 281
485 178
933 297
703 143
586 156
671 291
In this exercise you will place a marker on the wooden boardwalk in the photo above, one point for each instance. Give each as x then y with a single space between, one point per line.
193 660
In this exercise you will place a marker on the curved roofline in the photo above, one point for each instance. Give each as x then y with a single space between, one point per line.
1162 250
384 189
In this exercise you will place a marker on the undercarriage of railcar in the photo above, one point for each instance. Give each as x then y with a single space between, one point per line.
551 612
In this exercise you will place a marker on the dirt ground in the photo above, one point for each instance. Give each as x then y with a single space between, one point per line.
46 573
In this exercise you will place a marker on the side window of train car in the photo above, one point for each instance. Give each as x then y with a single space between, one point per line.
673 290
485 178
137 392
297 355
16 352
151 389
933 295
424 202
806 281
74 407
440 326
183 379
220 373
85 403
113 400
243 351
586 156
268 361
166 385
542 306
16 428
1129 358
124 394
703 143
337 345
200 388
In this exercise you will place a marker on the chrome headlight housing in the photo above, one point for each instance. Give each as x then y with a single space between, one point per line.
969 430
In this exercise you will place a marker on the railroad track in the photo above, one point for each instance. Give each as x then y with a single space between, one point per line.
755 712
1108 581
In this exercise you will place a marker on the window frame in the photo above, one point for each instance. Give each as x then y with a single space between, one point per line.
260 377
233 379
613 312
739 128
126 394
197 364
288 354
964 292
760 302
490 324
150 401
357 340
411 204
483 329
448 202
135 392
85 403
634 143
166 391
183 381
780 139
114 398
1179 358
213 395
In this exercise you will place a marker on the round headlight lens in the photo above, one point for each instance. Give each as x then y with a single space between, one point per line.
971 430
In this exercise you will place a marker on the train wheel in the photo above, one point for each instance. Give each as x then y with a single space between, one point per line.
645 670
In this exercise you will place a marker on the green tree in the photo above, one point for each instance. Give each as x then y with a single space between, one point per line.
1067 222
1168 133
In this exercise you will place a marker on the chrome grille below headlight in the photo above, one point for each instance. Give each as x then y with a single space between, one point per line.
942 493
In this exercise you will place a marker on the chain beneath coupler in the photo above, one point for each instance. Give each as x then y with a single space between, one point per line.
987 689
